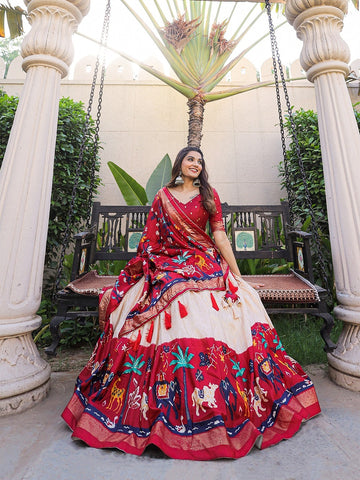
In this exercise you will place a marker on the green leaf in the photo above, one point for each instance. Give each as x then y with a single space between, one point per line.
14 19
160 177
2 22
306 225
211 97
132 191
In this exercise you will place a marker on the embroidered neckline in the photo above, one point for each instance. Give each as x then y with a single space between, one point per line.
183 203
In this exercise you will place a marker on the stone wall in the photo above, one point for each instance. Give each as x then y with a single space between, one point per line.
142 119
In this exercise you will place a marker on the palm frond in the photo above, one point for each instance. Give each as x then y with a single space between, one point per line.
211 97
14 19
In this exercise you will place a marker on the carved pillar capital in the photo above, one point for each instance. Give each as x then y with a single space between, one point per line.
49 41
318 24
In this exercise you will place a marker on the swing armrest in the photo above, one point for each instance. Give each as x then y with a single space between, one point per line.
300 233
82 235
301 253
83 253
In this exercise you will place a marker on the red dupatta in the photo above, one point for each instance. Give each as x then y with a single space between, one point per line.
174 255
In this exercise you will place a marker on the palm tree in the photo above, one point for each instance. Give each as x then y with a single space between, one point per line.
195 47
133 367
193 42
183 361
14 19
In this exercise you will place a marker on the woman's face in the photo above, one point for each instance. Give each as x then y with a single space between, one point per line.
191 165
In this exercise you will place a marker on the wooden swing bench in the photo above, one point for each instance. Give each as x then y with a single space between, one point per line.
255 232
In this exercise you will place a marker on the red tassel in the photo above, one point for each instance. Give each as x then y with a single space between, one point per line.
167 320
182 310
150 333
232 288
137 341
213 302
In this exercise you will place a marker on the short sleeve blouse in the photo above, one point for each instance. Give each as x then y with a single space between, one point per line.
216 220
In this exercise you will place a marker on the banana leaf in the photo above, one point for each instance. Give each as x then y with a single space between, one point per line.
132 191
160 177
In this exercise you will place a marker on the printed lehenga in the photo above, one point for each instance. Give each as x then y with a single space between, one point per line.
189 359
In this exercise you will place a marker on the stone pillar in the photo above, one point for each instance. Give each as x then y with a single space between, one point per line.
25 191
325 58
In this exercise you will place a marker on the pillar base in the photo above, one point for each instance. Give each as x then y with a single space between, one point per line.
24 375
344 361
26 400
344 380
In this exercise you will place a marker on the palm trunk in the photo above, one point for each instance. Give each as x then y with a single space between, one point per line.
126 399
196 119
188 418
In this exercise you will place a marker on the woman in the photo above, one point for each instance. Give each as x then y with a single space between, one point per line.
188 359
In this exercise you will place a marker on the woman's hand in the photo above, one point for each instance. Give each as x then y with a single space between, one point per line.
256 285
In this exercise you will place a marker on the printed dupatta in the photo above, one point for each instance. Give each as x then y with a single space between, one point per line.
174 255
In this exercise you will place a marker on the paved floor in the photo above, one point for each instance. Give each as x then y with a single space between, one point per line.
36 445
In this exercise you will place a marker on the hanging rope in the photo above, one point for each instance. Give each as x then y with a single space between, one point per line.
83 146
277 66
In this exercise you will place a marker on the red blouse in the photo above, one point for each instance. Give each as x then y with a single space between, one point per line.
194 209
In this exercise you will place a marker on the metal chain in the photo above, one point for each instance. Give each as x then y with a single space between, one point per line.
314 225
83 146
104 37
290 191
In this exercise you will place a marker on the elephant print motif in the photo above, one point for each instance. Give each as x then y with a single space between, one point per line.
269 371
168 395
204 395
226 390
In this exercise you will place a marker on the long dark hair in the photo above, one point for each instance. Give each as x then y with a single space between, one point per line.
206 190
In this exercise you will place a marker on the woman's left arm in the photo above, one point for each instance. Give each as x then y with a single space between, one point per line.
222 241
223 244
226 251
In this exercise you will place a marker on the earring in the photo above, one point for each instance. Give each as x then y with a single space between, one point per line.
197 182
179 180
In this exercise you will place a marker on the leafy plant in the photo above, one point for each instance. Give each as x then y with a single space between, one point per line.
69 139
9 50
132 191
80 332
8 106
106 267
262 266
